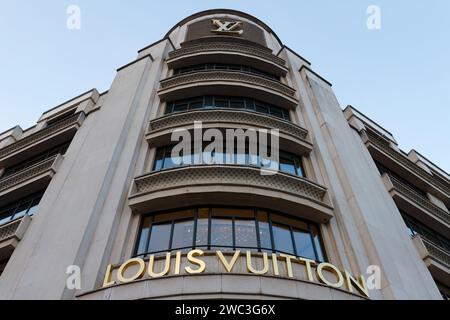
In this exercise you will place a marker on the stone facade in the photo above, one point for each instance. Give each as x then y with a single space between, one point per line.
97 191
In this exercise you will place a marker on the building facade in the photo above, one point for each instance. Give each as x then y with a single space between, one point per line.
94 190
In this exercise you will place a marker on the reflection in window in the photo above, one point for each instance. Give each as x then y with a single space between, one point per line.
229 229
206 102
289 163
20 208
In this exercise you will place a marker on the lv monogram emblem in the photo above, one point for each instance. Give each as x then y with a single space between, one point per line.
227 27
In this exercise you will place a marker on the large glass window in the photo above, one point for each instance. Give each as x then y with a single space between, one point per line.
20 208
218 228
288 162
204 102
226 67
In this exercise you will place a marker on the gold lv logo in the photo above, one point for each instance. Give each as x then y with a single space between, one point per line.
227 27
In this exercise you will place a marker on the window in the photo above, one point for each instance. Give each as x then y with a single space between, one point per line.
20 208
225 102
288 162
219 228
226 67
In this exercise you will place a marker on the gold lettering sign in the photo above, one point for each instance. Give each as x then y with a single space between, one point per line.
194 263
227 27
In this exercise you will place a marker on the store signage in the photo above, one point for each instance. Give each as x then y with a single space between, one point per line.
227 27
326 273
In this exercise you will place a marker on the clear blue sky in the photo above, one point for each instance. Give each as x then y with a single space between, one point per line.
399 75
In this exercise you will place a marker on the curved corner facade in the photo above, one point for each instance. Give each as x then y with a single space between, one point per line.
96 185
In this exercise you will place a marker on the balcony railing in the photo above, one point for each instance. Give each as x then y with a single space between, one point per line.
419 199
29 173
8 230
437 253
227 47
231 175
228 76
42 134
217 115
385 147
11 233
238 184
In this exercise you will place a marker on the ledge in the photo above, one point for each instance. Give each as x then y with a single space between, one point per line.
223 82
229 184
227 52
41 140
28 180
292 137
10 235
417 205
437 259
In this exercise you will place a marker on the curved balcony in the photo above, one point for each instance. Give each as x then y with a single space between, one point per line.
229 185
41 140
292 137
225 82
28 180
227 52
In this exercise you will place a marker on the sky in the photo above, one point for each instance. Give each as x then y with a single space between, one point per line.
398 75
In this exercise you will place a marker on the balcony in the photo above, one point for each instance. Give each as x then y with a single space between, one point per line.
10 235
292 137
382 151
436 258
416 204
28 180
225 82
229 185
41 140
227 52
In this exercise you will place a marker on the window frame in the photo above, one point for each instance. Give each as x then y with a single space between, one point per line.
209 246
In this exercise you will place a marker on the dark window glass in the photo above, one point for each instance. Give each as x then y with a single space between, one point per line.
289 163
221 232
183 234
245 233
264 230
143 237
20 208
303 244
201 239
229 229
282 238
226 102
160 237
317 243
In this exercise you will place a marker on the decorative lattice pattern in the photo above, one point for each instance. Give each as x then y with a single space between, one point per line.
404 160
437 253
233 175
420 199
27 173
227 47
9 229
236 76
41 134
228 116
